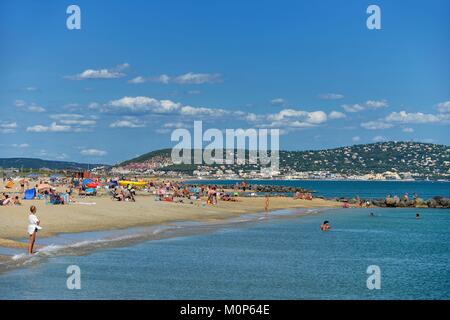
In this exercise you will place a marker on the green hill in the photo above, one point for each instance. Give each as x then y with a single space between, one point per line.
35 163
421 159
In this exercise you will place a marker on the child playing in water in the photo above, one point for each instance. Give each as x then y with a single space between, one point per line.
33 227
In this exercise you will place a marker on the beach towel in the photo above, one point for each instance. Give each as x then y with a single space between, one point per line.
91 191
29 194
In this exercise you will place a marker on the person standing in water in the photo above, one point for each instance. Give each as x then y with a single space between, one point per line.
417 216
33 227
266 203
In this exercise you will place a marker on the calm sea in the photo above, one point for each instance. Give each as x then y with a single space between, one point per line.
286 258
363 189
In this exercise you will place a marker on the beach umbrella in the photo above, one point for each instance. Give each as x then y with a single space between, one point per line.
9 184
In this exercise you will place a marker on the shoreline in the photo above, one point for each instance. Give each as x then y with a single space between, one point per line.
83 243
101 213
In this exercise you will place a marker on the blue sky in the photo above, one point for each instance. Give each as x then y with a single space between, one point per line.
139 69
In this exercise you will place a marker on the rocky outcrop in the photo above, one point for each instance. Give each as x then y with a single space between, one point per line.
396 202
439 202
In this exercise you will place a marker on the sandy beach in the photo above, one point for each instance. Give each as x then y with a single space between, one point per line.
97 213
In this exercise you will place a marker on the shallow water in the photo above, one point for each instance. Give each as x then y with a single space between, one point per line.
270 259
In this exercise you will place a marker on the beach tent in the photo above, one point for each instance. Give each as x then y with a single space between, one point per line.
29 194
86 182
9 184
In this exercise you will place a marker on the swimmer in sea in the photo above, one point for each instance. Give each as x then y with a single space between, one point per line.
325 226
417 216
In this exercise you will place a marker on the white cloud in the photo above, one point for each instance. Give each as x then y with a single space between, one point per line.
142 104
331 96
36 109
93 152
127 122
164 78
369 104
417 117
408 130
198 78
188 78
146 105
336 115
60 116
296 118
72 106
21 145
137 80
74 119
176 125
376 125
31 107
443 107
93 105
51 128
8 127
315 117
201 111
379 139
356 139
79 122
112 73
277 102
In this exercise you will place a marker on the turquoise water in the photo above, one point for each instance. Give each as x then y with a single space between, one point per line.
364 189
271 259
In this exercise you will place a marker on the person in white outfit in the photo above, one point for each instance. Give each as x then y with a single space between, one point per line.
33 227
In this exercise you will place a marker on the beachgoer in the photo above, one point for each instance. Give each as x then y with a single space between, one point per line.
266 203
7 200
325 226
417 216
33 227
17 201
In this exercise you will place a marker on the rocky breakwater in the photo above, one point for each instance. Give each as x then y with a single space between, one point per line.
396 202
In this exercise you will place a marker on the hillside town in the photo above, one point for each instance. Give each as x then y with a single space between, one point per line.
381 161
